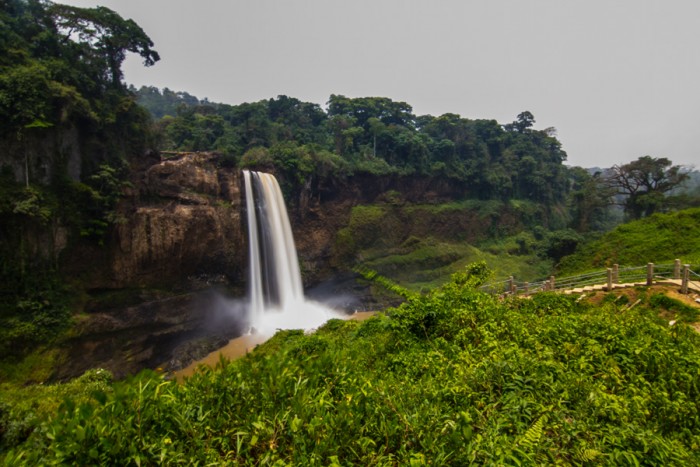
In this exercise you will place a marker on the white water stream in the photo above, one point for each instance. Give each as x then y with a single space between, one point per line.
275 288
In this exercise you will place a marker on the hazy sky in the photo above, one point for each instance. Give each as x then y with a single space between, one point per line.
618 79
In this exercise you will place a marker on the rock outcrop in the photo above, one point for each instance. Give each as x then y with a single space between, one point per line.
182 236
166 332
184 224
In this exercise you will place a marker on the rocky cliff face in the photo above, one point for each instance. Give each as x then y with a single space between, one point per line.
323 208
151 301
35 159
182 226
156 331
183 223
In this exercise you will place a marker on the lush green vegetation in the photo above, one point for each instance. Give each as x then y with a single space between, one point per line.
60 70
22 408
69 127
454 376
659 238
420 246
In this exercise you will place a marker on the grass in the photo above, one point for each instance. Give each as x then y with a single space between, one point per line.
667 306
35 367
429 263
660 238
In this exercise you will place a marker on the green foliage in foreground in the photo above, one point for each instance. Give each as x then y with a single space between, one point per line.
454 377
22 408
657 238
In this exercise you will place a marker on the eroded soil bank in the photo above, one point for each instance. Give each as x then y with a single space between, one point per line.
239 347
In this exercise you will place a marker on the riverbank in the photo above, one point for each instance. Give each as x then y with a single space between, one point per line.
240 346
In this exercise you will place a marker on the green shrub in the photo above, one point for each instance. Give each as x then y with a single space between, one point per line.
454 377
23 409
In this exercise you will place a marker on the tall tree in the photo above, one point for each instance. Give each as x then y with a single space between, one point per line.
103 36
589 200
525 121
644 184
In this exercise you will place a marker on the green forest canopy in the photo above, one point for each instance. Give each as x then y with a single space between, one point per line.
63 63
373 134
380 136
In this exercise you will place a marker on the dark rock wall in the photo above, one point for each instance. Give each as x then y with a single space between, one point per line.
182 225
184 222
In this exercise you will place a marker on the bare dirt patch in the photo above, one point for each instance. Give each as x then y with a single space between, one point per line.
635 294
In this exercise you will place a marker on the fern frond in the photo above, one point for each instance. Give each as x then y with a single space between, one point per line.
531 437
587 455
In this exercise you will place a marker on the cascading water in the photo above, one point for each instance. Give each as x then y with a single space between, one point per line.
275 289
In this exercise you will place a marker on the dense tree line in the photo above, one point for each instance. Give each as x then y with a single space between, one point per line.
382 136
377 135
68 127
62 64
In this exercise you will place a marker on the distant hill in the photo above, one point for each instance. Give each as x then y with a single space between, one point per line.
657 238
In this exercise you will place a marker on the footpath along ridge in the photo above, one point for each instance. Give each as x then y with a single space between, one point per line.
615 277
692 286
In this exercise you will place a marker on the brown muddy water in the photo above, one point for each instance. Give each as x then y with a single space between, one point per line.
240 346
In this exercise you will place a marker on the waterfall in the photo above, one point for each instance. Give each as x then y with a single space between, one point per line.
274 283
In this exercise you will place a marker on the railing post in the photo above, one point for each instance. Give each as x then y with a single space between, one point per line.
677 269
527 288
650 273
610 279
511 285
552 283
616 274
686 278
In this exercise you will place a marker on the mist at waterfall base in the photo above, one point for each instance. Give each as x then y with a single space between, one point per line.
275 294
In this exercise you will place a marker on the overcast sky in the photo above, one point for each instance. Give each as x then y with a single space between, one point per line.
618 79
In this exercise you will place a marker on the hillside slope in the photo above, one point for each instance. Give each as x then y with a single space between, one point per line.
659 238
